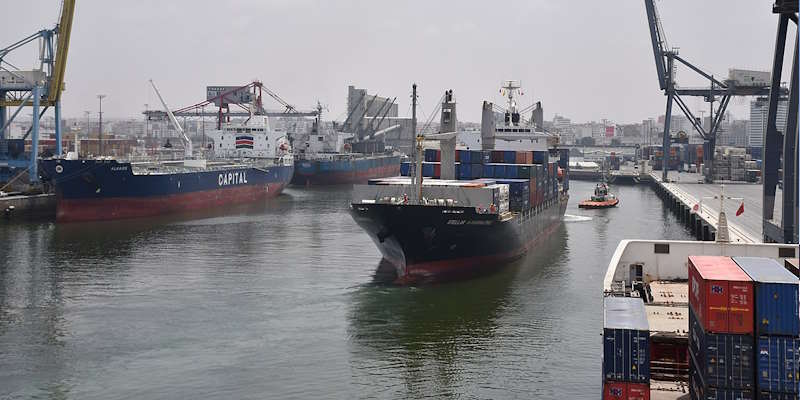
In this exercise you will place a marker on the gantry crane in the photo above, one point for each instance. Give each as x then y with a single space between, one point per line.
36 88
665 60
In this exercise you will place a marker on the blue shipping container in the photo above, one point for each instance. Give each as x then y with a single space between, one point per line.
427 169
488 171
477 171
499 170
405 168
541 157
476 156
430 155
509 156
626 340
725 360
776 296
464 171
511 171
699 389
777 364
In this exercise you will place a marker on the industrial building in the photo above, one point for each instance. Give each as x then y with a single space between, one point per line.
758 120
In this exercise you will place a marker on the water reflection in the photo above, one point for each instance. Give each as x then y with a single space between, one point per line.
428 333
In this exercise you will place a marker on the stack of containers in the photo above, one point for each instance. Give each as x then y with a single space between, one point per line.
777 327
626 349
471 164
563 163
518 193
722 364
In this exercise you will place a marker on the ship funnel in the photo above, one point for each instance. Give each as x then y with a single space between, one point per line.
537 116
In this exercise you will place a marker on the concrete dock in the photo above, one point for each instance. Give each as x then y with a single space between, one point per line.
27 206
685 190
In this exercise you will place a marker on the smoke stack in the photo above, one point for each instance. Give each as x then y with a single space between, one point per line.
449 123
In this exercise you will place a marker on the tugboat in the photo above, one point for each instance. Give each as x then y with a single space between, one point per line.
600 199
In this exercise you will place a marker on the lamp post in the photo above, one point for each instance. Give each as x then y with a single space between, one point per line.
100 132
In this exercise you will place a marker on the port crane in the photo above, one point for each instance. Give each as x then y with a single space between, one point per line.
667 60
777 144
38 88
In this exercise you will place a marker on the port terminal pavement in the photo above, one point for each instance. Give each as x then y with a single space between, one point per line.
684 191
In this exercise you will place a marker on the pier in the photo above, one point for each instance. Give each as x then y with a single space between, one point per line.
684 191
28 206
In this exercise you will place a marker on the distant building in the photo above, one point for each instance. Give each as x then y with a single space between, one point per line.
758 120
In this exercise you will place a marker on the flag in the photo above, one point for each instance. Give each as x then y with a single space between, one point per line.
740 211
696 207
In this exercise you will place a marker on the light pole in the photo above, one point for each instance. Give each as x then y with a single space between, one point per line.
100 133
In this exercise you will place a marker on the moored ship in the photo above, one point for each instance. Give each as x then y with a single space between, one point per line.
250 162
331 157
431 226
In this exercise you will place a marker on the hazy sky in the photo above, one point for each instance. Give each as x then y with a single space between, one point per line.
585 59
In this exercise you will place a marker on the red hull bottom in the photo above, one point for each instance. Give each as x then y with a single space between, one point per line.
345 177
126 208
463 267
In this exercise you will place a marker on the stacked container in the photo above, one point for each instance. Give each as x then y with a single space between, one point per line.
626 349
720 329
777 327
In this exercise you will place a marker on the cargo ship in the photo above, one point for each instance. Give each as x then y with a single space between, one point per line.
250 162
328 156
451 219
701 320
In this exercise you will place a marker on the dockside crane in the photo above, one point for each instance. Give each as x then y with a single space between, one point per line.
36 88
667 60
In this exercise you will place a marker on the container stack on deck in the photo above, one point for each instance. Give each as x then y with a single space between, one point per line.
777 328
722 364
743 329
531 177
626 349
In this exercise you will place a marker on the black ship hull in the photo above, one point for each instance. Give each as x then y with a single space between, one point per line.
431 243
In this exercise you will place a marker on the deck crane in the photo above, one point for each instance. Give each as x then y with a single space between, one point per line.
36 88
187 143
665 60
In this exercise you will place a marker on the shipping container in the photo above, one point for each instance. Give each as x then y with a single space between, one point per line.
488 171
499 171
776 296
486 156
541 157
777 364
509 156
477 171
776 396
721 295
626 340
464 171
699 389
725 360
427 169
625 391
405 168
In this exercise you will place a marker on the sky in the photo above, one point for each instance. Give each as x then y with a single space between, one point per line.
583 59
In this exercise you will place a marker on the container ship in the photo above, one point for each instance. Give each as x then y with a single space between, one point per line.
701 320
330 157
471 210
250 162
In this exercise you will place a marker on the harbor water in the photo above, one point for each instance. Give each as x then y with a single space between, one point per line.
289 300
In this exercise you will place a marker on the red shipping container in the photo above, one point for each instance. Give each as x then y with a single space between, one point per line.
457 158
615 390
638 391
438 157
520 157
497 156
437 170
528 157
721 295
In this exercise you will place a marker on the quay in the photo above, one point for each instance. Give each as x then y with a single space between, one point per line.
684 191
28 206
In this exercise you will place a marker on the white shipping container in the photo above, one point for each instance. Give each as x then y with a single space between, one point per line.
746 77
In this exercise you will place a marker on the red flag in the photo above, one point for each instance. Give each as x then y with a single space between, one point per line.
696 207
740 211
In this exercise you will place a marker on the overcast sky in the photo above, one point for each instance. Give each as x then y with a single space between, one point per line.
584 59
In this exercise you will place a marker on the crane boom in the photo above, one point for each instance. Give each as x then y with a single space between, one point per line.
658 40
187 144
62 48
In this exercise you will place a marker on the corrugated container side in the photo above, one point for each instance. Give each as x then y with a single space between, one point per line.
477 171
464 171
721 295
499 170
405 168
776 296
509 156
777 364
497 156
725 360
699 389
488 171
541 157
626 340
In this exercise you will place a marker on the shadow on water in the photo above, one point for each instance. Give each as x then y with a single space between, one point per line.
426 336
